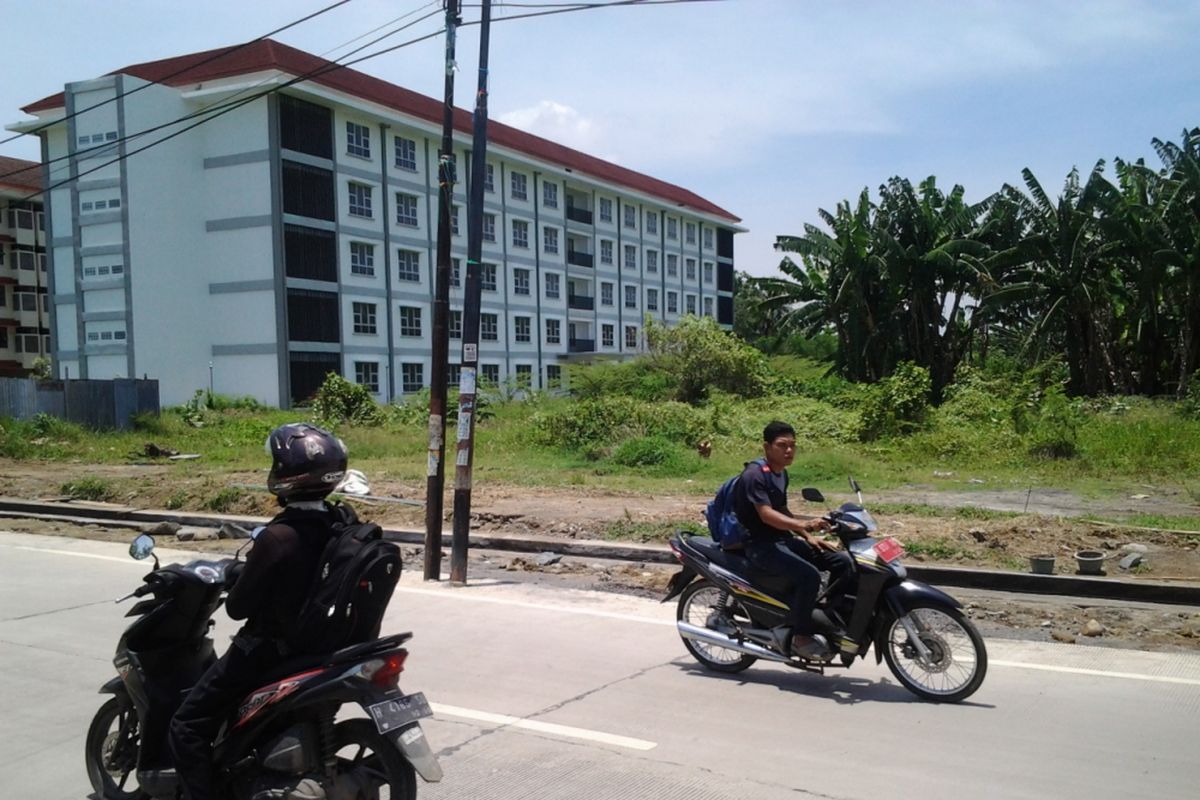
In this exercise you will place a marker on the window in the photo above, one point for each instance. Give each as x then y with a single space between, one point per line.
708 272
410 320
607 335
489 178
690 269
310 191
408 263
672 228
489 227
606 251
412 377
453 374
672 303
689 233
519 183
631 297
406 209
550 195
708 239
553 376
630 257
406 153
690 303
606 210
521 329
358 140
490 373
456 324
360 200
708 306
524 376
455 273
362 259
651 261
454 220
651 223
364 318
652 299
520 281
521 234
366 373
631 336
487 277
630 217
489 330
606 294
553 331
552 290
549 239
672 265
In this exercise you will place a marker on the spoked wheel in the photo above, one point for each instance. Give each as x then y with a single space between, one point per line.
368 766
955 663
111 752
701 604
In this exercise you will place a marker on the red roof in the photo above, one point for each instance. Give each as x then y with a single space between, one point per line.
268 54
25 175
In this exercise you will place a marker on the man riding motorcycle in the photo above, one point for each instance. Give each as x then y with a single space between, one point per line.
781 544
306 464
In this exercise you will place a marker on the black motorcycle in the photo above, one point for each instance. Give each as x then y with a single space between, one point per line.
727 610
282 741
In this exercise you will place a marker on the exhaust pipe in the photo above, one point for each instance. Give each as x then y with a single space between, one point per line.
718 639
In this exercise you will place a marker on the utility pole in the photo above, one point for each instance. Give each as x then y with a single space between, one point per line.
436 468
465 451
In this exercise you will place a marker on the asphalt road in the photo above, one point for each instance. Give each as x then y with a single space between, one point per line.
550 693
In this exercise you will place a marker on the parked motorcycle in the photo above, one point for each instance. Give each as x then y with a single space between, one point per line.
282 741
727 609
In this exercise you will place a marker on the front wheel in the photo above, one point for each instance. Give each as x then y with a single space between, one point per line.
369 767
704 605
956 659
111 752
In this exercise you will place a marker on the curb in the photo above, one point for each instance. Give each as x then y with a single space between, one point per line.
1160 592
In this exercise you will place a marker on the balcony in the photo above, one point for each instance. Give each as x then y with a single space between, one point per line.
580 258
576 214
581 345
581 302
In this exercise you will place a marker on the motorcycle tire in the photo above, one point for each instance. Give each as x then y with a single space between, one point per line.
108 781
957 653
696 605
363 750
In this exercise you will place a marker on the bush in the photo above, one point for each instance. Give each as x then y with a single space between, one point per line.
897 404
225 499
592 426
1050 422
339 400
46 425
640 378
1190 406
703 358
647 451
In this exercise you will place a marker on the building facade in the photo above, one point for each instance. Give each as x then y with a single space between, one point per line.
295 234
24 296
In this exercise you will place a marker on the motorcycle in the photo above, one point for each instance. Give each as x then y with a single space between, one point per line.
727 610
282 741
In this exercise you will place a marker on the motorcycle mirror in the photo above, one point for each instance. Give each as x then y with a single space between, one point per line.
812 495
854 487
141 547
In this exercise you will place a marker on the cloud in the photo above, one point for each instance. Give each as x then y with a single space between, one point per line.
558 122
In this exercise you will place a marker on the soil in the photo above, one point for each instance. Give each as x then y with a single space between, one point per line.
1001 542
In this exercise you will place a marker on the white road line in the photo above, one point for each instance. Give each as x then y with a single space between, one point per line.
1099 673
568 731
459 594
126 560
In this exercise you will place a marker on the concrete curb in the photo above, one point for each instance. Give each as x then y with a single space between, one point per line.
1144 591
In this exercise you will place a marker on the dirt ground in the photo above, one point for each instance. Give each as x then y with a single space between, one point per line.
1003 542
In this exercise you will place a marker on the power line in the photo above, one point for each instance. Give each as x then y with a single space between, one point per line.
177 73
566 8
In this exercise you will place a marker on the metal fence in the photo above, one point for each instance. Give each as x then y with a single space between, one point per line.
93 404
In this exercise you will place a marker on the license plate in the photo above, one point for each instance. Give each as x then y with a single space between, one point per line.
889 550
392 714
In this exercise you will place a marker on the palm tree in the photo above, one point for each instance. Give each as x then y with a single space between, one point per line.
1181 229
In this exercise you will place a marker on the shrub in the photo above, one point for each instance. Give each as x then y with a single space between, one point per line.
1190 406
224 500
897 404
640 378
1050 422
593 426
339 400
646 451
703 357
54 428
88 489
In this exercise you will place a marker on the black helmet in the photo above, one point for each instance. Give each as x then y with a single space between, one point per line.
306 462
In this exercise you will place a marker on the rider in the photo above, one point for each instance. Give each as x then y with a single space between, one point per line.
306 464
760 502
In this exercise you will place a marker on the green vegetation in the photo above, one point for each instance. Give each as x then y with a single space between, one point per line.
93 489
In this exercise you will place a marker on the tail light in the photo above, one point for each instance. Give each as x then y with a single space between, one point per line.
384 672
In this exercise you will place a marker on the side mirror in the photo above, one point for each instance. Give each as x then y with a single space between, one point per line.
141 547
812 495
854 487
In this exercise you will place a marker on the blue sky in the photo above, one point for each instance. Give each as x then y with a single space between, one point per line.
769 108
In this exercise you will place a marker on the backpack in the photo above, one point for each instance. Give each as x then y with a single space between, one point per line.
350 590
723 524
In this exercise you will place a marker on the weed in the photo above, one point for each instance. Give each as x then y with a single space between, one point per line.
225 499
937 549
176 500
95 489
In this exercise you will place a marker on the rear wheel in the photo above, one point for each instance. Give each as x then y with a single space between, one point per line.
955 662
704 605
111 752
369 767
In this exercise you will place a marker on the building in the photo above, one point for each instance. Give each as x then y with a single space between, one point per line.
24 300
296 235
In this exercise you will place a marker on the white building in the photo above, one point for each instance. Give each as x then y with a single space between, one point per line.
296 235
24 304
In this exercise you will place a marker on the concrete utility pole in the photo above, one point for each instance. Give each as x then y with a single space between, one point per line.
436 468
468 383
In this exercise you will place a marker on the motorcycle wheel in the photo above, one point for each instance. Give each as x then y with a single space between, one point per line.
111 752
957 659
699 605
369 767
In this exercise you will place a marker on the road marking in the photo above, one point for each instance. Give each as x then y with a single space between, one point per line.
568 731
126 560
1099 673
458 594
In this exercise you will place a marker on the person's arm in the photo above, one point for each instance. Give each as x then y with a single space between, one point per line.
253 585
803 527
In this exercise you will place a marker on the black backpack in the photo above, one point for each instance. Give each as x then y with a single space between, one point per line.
351 587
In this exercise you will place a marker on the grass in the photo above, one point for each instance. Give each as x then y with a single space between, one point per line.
94 489
924 510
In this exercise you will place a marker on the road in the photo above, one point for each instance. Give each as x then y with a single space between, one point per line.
551 693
